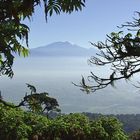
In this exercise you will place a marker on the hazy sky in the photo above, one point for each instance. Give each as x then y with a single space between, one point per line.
98 18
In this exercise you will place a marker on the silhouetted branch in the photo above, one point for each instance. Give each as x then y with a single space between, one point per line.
119 52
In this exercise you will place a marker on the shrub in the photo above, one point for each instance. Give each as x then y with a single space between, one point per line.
16 124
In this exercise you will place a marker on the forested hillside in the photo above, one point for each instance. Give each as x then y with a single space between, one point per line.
131 122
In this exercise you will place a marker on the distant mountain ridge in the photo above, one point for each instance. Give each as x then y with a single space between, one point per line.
62 49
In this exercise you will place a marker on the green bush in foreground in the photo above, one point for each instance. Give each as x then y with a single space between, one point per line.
16 124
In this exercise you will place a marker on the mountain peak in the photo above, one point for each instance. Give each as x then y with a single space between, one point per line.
61 42
61 49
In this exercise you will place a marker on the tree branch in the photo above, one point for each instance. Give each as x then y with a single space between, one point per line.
119 52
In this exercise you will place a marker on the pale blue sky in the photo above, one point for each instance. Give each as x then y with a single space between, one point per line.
98 18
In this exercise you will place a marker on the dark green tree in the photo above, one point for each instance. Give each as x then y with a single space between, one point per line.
40 103
16 124
13 30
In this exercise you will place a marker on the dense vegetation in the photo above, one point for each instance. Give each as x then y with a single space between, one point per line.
131 122
16 124
35 122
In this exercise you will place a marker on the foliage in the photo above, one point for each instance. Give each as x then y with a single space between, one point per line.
16 124
40 103
12 125
131 122
111 129
120 52
71 127
13 31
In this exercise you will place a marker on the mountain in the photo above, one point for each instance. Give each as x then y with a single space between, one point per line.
62 49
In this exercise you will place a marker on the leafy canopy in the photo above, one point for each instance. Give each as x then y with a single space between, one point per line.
20 125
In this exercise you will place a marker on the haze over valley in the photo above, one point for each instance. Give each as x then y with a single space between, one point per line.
54 67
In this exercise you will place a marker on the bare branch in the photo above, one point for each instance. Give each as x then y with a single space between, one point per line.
119 52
